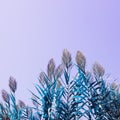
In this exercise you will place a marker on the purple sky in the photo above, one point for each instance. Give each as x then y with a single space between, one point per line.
31 32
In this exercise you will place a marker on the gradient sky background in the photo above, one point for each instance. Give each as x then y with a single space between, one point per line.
33 31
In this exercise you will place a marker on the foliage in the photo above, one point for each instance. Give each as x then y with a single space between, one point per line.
66 92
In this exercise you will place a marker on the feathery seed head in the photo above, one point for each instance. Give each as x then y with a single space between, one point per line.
80 60
59 70
42 77
89 77
66 58
98 70
59 84
21 104
12 84
5 96
50 67
114 86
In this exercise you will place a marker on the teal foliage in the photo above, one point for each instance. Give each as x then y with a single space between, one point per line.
66 92
86 95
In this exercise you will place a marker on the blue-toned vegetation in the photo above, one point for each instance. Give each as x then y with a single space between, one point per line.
66 92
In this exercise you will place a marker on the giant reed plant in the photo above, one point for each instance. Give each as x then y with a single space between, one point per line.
66 92
12 110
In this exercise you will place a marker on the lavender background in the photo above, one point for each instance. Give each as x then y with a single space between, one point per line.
33 31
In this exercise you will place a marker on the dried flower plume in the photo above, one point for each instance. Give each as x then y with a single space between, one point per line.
89 77
50 68
5 96
59 84
80 60
12 84
66 58
59 71
21 104
42 77
114 86
98 70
